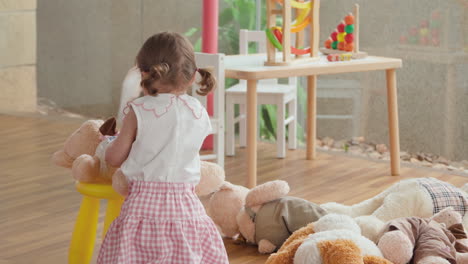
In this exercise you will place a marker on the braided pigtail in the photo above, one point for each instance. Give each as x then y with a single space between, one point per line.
156 73
207 82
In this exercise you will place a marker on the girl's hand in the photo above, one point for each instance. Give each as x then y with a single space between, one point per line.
118 150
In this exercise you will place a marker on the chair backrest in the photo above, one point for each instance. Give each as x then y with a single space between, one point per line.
258 37
215 64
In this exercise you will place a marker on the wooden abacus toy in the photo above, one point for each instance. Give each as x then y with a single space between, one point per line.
345 39
279 37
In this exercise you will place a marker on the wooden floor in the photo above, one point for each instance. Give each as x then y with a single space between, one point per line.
38 203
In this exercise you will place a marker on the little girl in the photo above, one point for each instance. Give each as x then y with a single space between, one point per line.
162 220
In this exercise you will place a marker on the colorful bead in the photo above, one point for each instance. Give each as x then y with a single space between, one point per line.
349 38
349 47
423 32
424 24
334 45
334 36
341 27
413 40
424 41
341 36
413 31
434 24
328 43
349 29
341 45
349 19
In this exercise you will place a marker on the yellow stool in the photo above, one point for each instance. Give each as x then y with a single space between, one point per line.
84 235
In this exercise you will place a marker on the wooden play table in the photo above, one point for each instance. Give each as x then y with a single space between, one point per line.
252 69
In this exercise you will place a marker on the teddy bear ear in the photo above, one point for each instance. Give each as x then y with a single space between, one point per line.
266 192
109 127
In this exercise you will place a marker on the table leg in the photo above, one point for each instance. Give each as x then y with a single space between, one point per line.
393 122
251 133
311 116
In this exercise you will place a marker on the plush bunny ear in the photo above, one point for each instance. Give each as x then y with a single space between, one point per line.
266 192
109 127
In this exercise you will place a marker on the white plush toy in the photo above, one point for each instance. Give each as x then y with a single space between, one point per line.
421 197
337 239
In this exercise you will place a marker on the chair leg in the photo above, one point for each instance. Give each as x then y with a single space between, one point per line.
292 127
219 147
84 234
112 211
280 129
230 128
243 126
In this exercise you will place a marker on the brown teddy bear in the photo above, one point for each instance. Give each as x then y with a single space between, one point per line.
84 151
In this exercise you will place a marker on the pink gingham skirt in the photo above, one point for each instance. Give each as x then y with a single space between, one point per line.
162 222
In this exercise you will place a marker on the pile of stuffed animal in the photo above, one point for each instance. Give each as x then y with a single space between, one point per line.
420 221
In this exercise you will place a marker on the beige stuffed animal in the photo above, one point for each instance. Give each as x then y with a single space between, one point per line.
420 197
84 150
270 217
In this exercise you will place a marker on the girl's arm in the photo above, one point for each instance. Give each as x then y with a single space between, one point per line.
118 150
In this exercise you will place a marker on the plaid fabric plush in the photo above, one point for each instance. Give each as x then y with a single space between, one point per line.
162 222
445 195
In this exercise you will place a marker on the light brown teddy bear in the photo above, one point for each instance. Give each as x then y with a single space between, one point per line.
84 151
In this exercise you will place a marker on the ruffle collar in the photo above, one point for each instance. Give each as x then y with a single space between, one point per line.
160 104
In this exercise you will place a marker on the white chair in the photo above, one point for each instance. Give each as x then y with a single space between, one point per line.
268 92
215 64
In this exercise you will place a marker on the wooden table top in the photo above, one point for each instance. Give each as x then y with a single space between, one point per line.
248 67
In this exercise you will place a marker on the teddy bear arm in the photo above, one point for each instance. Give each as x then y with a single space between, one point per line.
60 158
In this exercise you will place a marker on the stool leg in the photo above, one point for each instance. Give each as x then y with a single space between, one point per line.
112 211
230 128
243 126
84 234
280 128
292 127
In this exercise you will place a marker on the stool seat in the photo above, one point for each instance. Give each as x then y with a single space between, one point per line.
84 234
99 191
275 89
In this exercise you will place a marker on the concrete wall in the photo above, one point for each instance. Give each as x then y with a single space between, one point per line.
86 47
17 55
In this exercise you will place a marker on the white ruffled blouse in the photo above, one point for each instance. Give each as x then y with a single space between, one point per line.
171 130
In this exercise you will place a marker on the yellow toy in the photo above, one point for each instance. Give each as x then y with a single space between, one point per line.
279 37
